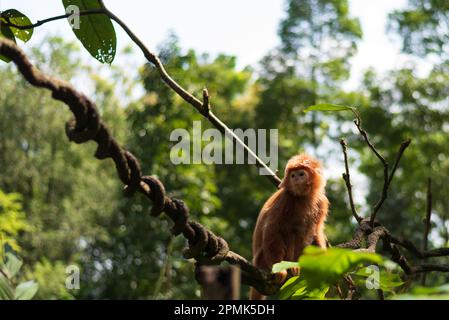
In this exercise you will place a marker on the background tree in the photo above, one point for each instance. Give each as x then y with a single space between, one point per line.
318 37
423 26
63 197
140 257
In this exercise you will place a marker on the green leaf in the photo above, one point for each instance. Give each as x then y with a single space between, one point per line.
320 269
307 293
13 264
26 290
6 292
96 32
5 32
297 288
290 287
327 266
284 265
18 18
329 107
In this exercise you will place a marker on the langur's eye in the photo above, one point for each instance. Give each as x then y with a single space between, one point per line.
301 174
292 175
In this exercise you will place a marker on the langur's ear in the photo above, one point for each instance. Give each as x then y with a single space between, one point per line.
282 184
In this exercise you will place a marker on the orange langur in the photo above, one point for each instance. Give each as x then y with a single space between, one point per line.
292 218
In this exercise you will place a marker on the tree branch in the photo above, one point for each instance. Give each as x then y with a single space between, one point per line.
347 179
183 93
203 245
430 267
358 124
420 254
404 145
387 176
379 232
39 23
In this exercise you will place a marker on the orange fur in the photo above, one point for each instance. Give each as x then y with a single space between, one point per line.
292 218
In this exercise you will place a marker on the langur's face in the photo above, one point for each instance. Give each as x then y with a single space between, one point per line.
300 181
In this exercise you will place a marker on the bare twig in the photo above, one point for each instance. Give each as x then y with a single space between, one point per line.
355 242
380 294
358 124
339 291
352 288
347 179
371 146
197 104
373 231
387 176
404 145
206 104
183 93
39 23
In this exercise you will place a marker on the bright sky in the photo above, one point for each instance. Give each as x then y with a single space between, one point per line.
247 29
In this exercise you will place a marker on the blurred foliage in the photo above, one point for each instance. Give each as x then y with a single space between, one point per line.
426 293
318 38
423 26
51 276
10 289
12 220
59 206
66 194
